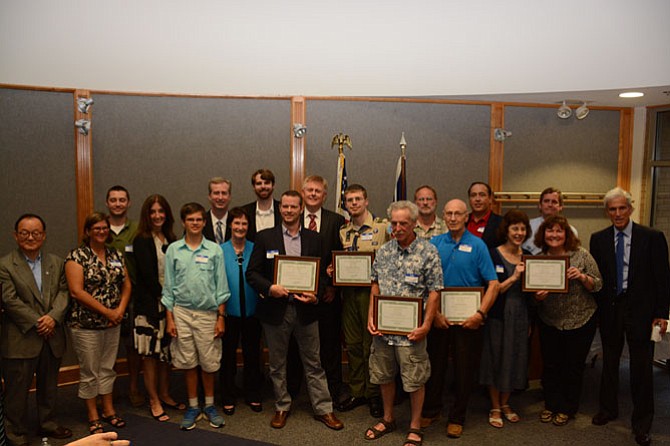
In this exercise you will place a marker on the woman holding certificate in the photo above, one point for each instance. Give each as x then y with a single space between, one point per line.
567 321
504 362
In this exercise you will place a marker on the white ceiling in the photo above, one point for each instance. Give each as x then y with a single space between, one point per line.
487 49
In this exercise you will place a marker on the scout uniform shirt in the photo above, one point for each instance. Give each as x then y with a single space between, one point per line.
369 237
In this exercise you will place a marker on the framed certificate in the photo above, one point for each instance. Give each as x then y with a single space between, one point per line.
297 274
352 268
459 303
546 273
397 315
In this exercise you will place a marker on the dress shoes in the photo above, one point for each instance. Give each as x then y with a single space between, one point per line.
643 439
376 407
351 403
279 419
330 420
59 433
601 419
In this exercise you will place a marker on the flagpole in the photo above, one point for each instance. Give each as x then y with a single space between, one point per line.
341 140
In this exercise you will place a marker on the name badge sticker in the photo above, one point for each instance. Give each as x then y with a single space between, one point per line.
115 264
201 259
412 278
270 254
481 230
366 236
500 269
465 248
129 248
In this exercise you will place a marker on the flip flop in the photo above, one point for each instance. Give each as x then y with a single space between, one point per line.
175 406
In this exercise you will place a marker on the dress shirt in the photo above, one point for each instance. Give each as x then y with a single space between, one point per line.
291 242
36 268
216 221
265 219
306 219
627 236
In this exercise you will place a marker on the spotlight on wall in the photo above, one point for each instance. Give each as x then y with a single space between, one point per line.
83 104
582 111
83 126
299 130
564 112
501 135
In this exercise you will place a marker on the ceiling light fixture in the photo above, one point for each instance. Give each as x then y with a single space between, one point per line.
631 94
582 111
564 112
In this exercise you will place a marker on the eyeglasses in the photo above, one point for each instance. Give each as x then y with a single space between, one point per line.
100 229
24 235
454 214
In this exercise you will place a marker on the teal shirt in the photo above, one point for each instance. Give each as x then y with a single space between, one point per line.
195 279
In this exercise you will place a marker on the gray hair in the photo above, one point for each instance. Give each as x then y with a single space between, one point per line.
404 204
618 192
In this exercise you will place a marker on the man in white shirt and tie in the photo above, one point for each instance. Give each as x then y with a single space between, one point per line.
219 196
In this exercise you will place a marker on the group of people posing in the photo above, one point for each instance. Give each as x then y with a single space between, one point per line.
189 302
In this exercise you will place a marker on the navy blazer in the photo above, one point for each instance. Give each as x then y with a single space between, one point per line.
260 274
648 290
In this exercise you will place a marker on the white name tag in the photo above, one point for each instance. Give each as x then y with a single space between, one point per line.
201 259
271 254
465 248
115 264
129 248
412 278
481 230
500 269
367 236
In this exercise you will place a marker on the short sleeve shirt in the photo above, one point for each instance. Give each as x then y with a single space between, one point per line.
102 281
414 271
466 263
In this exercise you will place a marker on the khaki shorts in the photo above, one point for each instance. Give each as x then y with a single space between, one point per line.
195 344
412 360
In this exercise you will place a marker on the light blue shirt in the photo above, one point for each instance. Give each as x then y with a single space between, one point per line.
195 279
36 267
292 243
627 237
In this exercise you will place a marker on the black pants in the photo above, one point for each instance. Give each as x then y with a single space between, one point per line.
613 328
465 347
248 331
564 355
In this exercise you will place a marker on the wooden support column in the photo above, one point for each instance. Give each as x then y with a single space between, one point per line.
83 163
497 152
625 148
298 116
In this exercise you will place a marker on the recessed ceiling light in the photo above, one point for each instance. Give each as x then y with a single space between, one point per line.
631 94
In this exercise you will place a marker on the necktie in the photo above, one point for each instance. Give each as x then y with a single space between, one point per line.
619 262
312 222
219 232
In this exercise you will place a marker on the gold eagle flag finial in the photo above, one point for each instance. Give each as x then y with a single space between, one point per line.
341 140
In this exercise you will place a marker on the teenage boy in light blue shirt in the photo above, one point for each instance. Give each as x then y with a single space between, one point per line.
194 295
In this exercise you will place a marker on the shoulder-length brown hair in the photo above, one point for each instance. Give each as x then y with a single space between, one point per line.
144 227
513 217
572 243
95 217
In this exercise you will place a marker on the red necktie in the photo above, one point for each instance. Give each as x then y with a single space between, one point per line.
312 222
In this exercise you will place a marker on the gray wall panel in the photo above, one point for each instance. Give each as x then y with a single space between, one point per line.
172 146
447 146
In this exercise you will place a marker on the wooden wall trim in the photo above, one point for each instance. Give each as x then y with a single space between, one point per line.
298 145
625 148
497 152
83 163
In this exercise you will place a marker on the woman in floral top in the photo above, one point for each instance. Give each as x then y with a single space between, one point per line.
567 321
100 290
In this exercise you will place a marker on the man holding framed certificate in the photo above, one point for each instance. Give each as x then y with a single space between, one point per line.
465 263
284 313
404 269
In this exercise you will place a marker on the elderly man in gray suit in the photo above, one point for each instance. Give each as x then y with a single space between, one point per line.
34 299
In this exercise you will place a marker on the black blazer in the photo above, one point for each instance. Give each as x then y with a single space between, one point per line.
250 209
208 230
146 290
260 274
490 235
648 291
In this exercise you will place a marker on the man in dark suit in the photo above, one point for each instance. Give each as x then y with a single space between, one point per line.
483 222
35 299
264 212
219 195
634 300
327 224
283 314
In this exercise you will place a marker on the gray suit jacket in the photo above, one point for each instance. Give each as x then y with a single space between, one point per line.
23 305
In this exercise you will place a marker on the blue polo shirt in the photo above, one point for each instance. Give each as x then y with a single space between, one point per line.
466 263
